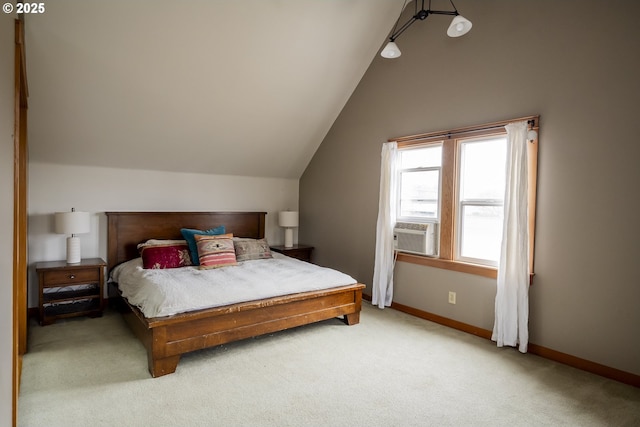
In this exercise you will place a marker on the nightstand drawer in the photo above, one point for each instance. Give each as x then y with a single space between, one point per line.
298 253
70 277
301 252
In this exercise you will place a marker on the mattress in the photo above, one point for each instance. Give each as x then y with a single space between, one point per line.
164 292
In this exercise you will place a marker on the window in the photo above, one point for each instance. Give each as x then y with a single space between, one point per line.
456 179
480 199
419 184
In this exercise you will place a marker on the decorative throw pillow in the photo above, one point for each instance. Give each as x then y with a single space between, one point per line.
189 233
250 249
164 254
215 251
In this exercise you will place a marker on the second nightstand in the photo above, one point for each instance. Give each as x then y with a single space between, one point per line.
68 290
301 252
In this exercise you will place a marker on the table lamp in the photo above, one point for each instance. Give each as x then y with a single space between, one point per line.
73 223
288 220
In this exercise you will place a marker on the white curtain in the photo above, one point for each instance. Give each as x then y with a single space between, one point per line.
384 262
511 325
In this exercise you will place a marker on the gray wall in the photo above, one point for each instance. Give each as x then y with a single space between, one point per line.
576 63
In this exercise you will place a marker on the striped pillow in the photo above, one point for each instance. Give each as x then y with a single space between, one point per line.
188 234
215 251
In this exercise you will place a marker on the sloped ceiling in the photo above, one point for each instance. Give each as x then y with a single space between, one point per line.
221 86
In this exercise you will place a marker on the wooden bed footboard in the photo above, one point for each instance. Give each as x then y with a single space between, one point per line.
167 338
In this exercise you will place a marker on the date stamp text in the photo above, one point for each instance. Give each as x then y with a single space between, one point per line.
23 8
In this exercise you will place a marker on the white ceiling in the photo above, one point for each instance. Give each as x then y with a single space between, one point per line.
221 86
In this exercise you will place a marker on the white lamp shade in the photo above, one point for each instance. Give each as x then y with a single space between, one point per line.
459 26
390 51
288 219
72 222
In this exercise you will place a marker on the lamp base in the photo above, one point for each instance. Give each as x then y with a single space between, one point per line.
288 237
73 250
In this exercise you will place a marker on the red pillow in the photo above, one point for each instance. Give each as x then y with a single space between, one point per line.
165 254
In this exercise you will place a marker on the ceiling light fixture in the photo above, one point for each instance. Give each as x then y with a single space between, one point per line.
459 26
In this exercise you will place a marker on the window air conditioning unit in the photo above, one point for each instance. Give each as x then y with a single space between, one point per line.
416 238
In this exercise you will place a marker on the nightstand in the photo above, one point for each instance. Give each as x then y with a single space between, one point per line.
69 290
301 252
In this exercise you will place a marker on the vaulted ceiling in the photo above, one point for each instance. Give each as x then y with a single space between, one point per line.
221 86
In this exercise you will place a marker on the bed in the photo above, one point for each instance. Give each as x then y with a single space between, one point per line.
167 338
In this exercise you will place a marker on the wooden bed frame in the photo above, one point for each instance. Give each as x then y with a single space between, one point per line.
167 338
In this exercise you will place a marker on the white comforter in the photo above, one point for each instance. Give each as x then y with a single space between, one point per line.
159 292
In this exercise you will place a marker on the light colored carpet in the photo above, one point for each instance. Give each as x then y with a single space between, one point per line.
392 369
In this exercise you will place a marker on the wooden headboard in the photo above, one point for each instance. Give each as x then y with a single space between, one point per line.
126 229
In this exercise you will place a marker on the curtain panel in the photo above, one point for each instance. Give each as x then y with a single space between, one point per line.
511 327
384 262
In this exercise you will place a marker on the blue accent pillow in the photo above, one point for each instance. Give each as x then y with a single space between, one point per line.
189 233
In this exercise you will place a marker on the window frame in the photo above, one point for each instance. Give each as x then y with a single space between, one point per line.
449 187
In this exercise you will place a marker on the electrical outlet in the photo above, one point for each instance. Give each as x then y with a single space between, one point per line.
452 297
